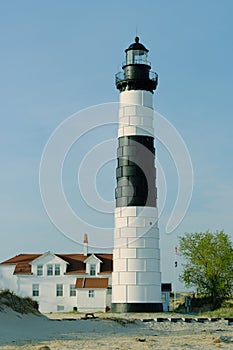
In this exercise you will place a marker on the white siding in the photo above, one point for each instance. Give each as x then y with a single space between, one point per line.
7 279
87 304
47 299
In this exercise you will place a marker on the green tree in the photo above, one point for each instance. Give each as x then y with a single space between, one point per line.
208 264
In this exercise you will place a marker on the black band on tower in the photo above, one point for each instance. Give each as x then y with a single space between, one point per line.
136 77
137 307
136 172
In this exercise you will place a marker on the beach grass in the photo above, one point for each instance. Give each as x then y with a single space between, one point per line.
222 312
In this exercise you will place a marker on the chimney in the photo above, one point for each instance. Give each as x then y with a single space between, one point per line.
85 244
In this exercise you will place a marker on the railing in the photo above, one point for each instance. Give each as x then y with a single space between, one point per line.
120 76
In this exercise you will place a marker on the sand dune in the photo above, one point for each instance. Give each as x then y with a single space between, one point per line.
134 331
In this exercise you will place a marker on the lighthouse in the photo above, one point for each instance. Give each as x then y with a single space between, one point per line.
136 278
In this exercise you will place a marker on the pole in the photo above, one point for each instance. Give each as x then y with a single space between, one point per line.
174 284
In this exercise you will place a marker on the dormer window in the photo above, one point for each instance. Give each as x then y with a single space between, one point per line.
57 270
92 265
49 270
92 269
39 270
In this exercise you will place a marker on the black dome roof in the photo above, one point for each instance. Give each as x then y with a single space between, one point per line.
137 46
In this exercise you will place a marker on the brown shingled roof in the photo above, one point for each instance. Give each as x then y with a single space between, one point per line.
107 266
26 258
92 282
22 269
75 265
21 262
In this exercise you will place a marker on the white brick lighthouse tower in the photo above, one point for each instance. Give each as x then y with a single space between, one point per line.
136 279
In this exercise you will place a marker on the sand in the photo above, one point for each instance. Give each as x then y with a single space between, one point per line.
110 332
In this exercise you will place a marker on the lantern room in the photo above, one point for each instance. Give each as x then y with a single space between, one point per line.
137 53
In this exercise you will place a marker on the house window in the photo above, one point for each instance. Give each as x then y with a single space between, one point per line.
57 270
59 290
91 293
49 270
35 290
92 269
72 290
109 290
60 307
39 270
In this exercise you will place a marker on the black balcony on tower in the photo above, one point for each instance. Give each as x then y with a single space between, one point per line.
136 74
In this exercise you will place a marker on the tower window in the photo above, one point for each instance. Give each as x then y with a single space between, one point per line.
136 57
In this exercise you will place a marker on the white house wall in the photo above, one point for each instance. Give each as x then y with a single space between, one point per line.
98 303
7 279
48 301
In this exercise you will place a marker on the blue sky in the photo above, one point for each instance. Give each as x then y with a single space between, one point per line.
59 57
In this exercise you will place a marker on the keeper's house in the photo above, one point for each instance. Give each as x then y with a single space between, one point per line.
64 282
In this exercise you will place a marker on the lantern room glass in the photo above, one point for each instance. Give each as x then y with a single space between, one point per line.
136 57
